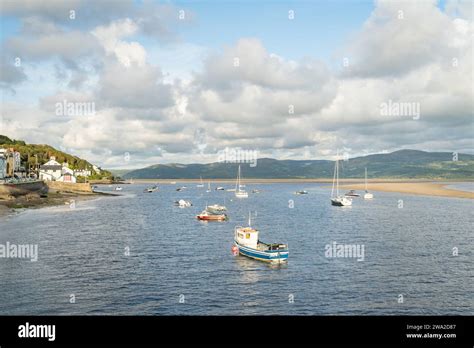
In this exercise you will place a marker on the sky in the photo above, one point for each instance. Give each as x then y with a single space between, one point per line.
126 84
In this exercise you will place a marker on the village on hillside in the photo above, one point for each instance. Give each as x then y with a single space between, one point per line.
12 169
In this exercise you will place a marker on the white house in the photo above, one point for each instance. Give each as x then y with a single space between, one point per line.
53 171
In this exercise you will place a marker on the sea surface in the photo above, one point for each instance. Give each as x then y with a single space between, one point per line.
138 254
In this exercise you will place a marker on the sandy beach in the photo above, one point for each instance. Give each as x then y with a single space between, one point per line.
415 188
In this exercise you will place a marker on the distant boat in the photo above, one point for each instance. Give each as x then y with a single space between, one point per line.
337 199
255 191
118 188
247 243
208 186
200 182
183 204
216 208
208 216
220 188
367 194
352 193
239 193
181 188
302 192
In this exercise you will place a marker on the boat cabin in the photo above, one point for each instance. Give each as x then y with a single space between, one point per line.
246 236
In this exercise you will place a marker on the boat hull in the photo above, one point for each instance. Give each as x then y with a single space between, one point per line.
341 203
279 256
212 218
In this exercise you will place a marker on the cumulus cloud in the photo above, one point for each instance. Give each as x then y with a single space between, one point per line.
401 36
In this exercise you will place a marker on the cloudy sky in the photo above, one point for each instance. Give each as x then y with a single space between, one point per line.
181 81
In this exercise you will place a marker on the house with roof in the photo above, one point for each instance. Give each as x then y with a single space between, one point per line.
54 171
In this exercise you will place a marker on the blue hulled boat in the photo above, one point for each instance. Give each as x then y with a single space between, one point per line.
246 243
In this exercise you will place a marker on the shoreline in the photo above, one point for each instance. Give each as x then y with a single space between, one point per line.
12 206
420 188
427 187
288 181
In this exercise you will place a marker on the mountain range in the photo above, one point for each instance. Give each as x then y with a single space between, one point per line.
403 164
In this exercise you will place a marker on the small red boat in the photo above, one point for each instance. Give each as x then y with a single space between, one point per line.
206 216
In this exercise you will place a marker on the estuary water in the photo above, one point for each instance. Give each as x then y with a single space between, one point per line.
138 254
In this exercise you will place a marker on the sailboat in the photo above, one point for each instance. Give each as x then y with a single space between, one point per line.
200 182
208 186
338 200
239 193
367 194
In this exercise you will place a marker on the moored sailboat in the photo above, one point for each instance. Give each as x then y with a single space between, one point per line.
367 194
200 182
239 193
337 199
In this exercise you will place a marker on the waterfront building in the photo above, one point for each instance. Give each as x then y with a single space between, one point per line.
54 171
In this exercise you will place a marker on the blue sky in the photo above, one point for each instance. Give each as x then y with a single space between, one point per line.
161 83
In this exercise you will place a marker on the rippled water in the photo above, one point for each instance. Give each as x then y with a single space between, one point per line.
408 251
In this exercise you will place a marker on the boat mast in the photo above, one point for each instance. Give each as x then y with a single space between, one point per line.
333 180
237 184
337 177
365 179
250 219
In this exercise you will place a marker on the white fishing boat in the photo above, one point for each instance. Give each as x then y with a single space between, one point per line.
367 194
220 188
200 182
183 203
216 208
247 243
239 193
337 199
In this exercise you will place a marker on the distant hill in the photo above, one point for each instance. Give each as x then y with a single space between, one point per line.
399 164
44 152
